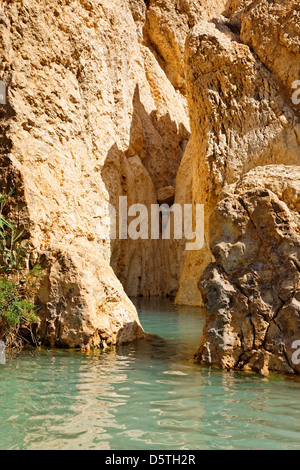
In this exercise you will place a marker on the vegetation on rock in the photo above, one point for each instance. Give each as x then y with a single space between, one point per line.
18 285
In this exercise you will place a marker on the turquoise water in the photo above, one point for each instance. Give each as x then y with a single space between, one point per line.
147 395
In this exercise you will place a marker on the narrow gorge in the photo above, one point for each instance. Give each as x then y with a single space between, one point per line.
187 102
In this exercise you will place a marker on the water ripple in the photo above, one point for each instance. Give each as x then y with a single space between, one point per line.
144 396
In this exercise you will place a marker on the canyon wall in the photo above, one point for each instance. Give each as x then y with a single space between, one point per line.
92 114
160 101
246 133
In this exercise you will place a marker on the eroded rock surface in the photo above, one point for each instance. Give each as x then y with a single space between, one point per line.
159 101
85 102
240 119
92 115
244 159
167 24
252 290
272 29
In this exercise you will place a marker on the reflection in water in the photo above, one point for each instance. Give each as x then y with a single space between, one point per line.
147 395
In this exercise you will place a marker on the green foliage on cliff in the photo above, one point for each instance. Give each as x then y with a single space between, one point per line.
17 285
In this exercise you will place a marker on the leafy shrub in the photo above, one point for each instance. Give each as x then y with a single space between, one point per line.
17 285
13 308
11 250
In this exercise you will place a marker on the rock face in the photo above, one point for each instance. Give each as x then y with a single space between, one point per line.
245 155
252 291
245 132
159 101
167 25
82 303
272 29
240 119
91 116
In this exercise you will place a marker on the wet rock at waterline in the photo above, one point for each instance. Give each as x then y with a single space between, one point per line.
252 290
82 304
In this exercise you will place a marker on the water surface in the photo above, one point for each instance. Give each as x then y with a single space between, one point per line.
147 395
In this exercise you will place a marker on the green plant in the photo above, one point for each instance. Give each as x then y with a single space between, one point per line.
13 307
12 251
17 284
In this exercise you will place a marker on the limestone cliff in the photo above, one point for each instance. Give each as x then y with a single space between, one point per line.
245 128
239 118
91 115
71 69
159 101
251 291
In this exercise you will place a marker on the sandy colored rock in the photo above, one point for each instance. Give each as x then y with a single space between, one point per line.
272 29
239 120
167 26
252 290
143 265
82 304
166 195
85 100
234 11
232 83
158 101
191 262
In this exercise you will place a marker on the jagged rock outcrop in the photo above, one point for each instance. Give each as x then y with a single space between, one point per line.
272 29
230 134
234 11
167 24
159 101
252 290
239 120
243 120
89 116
